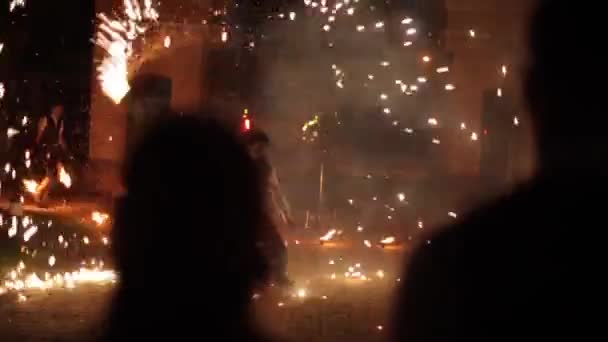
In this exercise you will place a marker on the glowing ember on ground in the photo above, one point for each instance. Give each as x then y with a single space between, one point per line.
388 240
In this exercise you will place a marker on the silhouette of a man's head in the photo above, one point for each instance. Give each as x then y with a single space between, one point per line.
563 81
192 210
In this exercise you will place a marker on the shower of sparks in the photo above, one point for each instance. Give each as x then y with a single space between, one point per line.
116 37
16 3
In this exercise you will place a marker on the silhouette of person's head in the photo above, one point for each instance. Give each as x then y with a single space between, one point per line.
186 231
257 142
561 85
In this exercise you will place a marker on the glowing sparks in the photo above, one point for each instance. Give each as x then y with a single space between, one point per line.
113 71
52 260
443 69
504 71
388 240
432 122
463 126
379 24
452 214
515 121
422 79
302 293
401 197
16 3
224 36
450 87
474 136
329 235
86 240
310 123
383 97
411 31
436 141
2 90
408 43
326 28
472 33
292 16
367 243
31 186
64 177
99 218
426 59
167 42
350 11
380 274
29 233
116 38
499 92
407 21
360 28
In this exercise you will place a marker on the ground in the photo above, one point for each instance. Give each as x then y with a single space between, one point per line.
319 309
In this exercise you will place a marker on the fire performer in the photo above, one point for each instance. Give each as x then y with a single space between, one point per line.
279 212
51 150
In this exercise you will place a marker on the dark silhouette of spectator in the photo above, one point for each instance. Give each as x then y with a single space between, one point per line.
513 270
185 236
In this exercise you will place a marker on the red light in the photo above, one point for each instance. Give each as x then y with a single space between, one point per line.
247 124
485 132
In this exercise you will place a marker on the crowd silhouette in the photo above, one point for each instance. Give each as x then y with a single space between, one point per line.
512 269
194 211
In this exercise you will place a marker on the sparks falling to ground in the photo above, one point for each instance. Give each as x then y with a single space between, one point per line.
116 37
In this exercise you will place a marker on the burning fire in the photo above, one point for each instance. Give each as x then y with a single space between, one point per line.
65 177
31 186
99 217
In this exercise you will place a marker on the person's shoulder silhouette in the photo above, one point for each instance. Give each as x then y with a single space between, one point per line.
511 270
185 235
